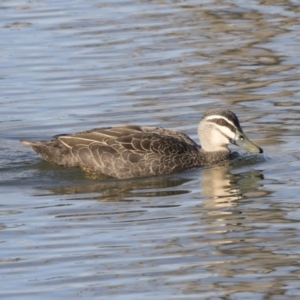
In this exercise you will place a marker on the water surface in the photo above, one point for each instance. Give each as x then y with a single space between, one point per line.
229 231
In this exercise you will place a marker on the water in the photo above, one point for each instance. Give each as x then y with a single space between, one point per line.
225 232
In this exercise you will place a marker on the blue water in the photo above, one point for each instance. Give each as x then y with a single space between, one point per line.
229 231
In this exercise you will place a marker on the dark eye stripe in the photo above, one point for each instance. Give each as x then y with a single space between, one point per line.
226 124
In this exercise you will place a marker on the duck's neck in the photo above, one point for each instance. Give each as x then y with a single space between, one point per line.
211 157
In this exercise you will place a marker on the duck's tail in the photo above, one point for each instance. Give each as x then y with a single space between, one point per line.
52 151
31 143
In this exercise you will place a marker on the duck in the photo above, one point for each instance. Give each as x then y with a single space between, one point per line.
136 151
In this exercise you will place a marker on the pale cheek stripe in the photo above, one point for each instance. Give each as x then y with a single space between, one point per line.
227 131
227 125
229 138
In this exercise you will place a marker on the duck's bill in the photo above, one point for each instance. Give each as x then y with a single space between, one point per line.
242 141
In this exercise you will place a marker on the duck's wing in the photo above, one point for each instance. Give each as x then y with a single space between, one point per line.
99 134
171 133
130 151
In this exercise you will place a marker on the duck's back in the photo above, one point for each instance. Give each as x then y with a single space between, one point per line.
122 152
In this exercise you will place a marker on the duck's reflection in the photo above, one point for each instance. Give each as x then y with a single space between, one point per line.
219 186
216 187
124 190
222 187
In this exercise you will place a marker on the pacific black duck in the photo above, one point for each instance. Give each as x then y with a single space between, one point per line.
134 151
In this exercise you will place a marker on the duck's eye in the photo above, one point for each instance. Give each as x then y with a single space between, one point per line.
221 122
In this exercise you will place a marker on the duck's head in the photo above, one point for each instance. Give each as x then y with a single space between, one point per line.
220 127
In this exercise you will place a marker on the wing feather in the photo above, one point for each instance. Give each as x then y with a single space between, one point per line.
126 151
